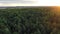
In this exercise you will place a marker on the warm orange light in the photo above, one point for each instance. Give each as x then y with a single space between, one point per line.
56 10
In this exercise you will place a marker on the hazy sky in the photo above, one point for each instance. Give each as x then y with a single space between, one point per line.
29 2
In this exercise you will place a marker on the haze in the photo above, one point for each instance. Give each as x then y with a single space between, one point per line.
29 2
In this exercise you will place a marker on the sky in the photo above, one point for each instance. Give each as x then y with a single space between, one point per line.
29 2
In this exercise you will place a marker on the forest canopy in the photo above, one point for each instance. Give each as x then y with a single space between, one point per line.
26 21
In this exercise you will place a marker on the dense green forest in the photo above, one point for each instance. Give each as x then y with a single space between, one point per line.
27 21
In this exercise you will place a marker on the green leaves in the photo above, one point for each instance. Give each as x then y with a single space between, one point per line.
24 21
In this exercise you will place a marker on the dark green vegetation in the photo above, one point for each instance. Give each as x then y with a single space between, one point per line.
25 21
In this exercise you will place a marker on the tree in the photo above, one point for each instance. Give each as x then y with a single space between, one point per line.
25 21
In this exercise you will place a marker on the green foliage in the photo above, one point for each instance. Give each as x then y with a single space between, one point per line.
25 21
